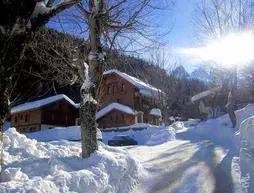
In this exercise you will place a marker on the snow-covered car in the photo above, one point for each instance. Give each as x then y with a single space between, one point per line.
122 140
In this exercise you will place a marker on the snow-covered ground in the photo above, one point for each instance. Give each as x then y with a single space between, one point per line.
32 166
178 158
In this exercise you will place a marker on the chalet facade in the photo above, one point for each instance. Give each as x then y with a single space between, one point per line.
125 100
55 111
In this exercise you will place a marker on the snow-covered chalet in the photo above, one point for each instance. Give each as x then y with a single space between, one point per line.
124 100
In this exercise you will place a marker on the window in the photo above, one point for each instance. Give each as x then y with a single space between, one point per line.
118 100
122 117
60 107
117 117
16 119
108 90
114 89
52 117
122 88
111 118
66 118
21 117
26 118
33 129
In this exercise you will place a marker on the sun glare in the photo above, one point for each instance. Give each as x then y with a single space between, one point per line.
231 50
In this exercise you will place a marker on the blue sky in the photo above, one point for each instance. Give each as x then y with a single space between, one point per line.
182 33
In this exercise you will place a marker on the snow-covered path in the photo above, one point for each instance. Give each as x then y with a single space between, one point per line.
188 165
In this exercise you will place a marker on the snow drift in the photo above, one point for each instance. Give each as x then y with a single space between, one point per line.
246 136
32 166
162 136
220 129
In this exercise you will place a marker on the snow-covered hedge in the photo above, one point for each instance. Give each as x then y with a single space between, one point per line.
32 166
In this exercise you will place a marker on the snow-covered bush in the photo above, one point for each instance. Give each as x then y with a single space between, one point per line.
32 166
162 136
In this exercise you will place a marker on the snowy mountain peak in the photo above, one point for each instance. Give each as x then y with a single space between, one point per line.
200 74
180 72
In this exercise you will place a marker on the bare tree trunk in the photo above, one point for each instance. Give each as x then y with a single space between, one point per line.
232 99
4 109
88 104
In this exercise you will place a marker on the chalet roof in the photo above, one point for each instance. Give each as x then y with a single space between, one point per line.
114 106
144 88
42 102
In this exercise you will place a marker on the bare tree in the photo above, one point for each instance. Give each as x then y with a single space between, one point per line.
18 21
115 25
214 19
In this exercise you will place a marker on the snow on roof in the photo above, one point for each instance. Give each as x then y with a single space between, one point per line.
156 112
144 88
201 95
42 102
114 106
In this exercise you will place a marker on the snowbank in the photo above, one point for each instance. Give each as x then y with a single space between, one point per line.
220 129
59 133
246 133
31 166
162 136
241 115
142 136
246 136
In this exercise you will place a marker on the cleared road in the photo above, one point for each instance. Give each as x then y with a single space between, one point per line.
188 165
